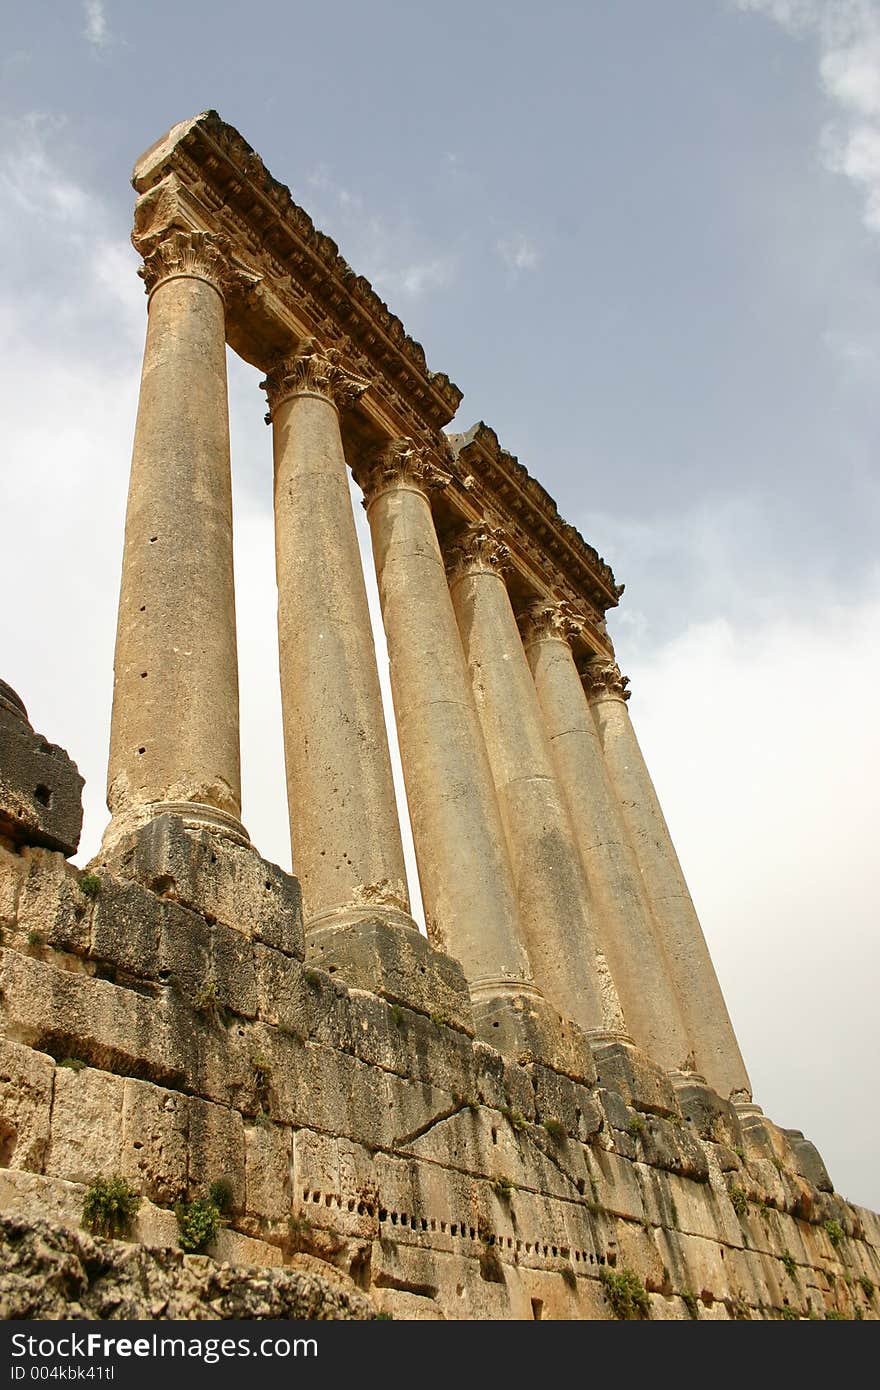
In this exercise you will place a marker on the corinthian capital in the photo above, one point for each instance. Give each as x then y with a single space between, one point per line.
602 677
313 371
176 254
398 463
546 620
481 549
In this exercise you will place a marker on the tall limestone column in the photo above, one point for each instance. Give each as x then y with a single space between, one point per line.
174 739
345 837
552 889
464 869
623 922
702 1005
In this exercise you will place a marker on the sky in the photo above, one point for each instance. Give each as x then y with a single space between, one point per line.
644 240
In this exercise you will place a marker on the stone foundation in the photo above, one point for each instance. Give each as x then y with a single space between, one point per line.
175 1046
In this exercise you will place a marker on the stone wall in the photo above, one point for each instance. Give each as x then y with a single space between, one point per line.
162 1023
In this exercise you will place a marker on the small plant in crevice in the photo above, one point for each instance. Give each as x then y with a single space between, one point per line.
867 1286
198 1223
397 1015
71 1063
90 884
313 978
556 1130
626 1293
690 1302
514 1118
834 1231
789 1314
789 1264
739 1201
110 1206
740 1152
36 938
833 1316
221 1194
636 1125
207 1003
466 1102
262 1069
440 1019
502 1187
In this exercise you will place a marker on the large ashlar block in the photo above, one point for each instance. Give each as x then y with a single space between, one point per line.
213 875
26 1079
155 1136
526 1029
708 1115
40 786
397 963
51 903
625 1068
86 1125
564 1102
808 1160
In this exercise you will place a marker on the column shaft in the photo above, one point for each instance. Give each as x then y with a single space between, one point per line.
551 887
622 917
464 869
174 731
344 831
701 1001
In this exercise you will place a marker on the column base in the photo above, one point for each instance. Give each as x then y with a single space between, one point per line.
194 815
208 870
624 1068
707 1114
391 958
521 1024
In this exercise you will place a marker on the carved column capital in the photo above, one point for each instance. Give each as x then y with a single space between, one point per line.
313 371
399 463
549 620
602 677
480 549
177 254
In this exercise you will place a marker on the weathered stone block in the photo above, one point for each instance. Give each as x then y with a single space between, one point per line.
51 903
86 1125
526 1029
268 1171
26 1079
564 1102
40 786
640 1081
155 1133
808 1160
397 963
222 880
708 1115
13 872
126 926
233 970
328 1010
282 993
216 1150
185 951
74 1015
672 1148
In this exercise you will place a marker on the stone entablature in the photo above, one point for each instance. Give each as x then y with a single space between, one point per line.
204 175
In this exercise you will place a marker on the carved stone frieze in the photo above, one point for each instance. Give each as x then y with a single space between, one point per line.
314 371
602 677
399 463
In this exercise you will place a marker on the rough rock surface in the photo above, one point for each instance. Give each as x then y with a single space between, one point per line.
48 1272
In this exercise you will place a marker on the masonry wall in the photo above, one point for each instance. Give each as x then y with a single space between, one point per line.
173 1033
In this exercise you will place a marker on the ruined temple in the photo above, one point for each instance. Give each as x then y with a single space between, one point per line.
538 1110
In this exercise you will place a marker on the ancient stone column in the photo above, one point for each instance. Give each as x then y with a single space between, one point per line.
701 1002
551 886
464 869
344 832
174 739
622 918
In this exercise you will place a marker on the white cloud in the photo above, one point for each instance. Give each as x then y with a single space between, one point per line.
761 740
96 30
518 252
847 33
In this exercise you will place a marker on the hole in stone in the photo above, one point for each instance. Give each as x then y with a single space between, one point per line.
268 883
43 795
537 1309
494 1135
495 1025
143 675
153 538
143 608
331 969
142 750
581 1186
